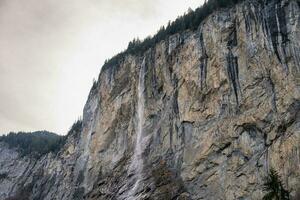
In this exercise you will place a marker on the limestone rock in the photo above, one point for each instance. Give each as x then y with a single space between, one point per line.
222 106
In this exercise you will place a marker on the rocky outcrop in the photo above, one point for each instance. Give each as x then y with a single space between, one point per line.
220 107
27 178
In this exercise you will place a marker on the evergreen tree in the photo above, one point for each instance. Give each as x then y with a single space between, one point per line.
34 144
274 187
189 21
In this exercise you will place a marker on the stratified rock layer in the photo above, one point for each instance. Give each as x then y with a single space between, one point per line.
221 107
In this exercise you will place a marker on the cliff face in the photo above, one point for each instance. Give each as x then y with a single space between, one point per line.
203 115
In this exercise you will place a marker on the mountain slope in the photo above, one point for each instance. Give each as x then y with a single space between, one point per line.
33 144
202 114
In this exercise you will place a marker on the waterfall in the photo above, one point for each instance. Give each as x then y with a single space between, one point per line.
137 164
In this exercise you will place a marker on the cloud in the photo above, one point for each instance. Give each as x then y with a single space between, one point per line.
51 50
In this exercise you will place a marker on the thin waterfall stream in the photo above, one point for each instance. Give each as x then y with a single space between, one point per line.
137 164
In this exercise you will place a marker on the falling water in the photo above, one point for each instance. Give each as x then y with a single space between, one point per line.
136 165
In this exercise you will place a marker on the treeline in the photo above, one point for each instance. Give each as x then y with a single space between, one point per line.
34 144
76 128
190 20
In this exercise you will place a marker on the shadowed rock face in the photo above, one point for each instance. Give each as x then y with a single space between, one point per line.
221 107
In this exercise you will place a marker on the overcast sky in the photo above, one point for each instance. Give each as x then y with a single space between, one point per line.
50 51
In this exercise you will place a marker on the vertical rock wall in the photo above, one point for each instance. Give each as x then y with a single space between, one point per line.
221 108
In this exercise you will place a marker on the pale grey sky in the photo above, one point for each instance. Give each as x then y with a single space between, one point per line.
50 51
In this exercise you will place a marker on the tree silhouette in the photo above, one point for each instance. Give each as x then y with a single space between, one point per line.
189 21
34 144
274 187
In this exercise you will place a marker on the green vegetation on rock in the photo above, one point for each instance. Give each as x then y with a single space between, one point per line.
189 21
274 188
34 144
76 128
39 143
